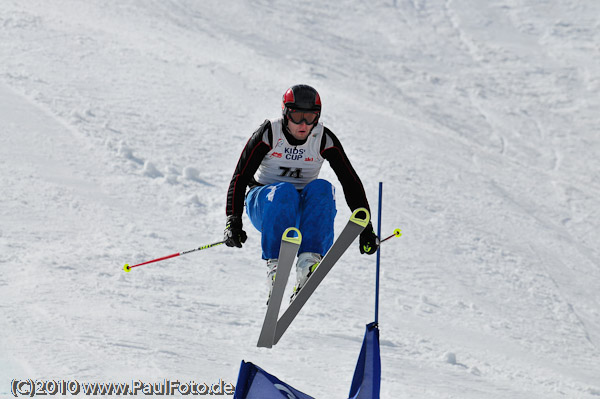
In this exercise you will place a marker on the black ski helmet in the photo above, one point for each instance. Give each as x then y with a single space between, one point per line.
301 97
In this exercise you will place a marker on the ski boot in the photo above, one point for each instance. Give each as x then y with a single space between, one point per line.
306 265
271 272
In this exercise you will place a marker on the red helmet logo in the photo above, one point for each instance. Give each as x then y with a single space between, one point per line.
288 97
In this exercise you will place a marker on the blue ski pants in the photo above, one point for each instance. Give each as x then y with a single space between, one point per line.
275 207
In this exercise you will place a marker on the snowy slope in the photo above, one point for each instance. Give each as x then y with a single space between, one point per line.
121 123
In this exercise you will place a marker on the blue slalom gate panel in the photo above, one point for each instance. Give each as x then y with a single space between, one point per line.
366 382
255 383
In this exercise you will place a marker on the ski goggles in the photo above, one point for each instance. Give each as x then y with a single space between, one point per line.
297 116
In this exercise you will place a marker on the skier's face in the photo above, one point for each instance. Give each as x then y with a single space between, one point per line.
301 130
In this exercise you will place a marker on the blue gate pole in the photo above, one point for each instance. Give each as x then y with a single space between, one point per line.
378 256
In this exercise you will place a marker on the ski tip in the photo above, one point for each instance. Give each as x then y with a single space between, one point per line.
361 216
127 268
295 238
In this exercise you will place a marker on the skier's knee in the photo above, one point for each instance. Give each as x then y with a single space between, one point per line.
320 186
283 192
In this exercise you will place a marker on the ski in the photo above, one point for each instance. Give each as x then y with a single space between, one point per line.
287 255
357 223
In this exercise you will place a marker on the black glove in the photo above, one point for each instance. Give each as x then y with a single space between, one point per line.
369 242
234 235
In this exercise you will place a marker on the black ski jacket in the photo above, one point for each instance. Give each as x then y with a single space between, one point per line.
257 148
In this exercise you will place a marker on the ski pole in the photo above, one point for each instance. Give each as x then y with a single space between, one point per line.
128 268
397 233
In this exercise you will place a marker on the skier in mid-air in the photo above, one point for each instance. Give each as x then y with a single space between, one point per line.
279 166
